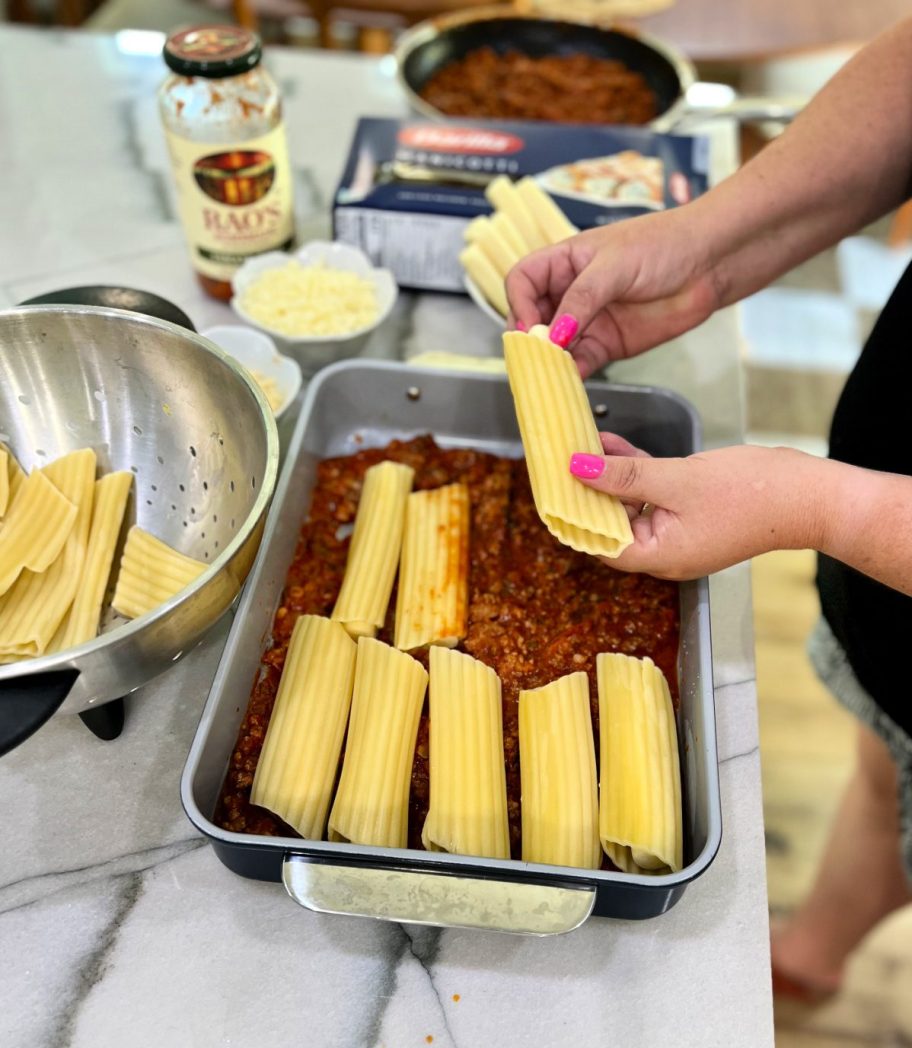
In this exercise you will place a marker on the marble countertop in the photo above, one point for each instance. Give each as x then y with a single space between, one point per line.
119 925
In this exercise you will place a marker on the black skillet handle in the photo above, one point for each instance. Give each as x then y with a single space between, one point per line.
27 702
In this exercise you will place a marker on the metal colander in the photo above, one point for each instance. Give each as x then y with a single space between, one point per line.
198 436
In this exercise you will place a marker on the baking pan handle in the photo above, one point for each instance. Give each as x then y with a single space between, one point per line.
442 900
27 702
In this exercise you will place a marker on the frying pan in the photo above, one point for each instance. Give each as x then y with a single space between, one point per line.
425 49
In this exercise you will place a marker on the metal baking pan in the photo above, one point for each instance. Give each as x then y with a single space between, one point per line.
357 404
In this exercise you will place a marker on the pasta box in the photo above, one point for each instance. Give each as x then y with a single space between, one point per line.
358 404
410 187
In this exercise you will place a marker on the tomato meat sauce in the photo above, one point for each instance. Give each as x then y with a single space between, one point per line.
537 610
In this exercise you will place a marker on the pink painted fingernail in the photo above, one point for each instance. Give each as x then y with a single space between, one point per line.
587 466
520 326
564 329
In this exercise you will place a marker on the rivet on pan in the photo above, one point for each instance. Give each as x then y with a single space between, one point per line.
413 393
600 410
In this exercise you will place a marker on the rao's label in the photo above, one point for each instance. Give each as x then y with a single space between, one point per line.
234 200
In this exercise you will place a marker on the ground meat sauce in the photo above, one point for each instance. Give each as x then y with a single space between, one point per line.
537 610
569 89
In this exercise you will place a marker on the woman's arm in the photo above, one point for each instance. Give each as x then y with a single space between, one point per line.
714 509
846 160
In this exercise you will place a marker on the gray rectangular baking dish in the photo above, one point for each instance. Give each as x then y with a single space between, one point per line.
356 404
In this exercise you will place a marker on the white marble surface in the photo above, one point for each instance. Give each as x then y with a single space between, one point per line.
118 926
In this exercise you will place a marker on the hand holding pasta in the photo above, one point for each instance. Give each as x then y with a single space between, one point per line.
714 509
631 285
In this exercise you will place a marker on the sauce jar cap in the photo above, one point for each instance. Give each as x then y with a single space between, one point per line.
212 51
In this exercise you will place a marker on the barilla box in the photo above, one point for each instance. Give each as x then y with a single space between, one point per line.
410 187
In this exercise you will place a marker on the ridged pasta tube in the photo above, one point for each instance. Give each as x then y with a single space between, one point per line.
151 572
432 603
640 821
376 543
504 197
468 804
34 606
503 256
371 805
557 772
300 757
553 223
555 421
4 480
109 506
35 529
483 271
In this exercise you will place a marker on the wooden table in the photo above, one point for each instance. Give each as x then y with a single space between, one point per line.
728 30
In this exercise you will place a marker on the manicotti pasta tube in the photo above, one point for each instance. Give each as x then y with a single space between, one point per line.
555 421
553 223
300 756
376 543
640 820
371 805
34 606
432 602
504 197
468 804
109 506
151 572
4 481
483 271
503 256
557 772
35 529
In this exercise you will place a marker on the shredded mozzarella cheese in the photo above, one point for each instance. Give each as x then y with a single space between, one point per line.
310 300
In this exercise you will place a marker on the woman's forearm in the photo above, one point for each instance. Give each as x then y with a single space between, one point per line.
846 160
864 519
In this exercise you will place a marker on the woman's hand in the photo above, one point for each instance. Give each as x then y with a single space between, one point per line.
711 510
630 286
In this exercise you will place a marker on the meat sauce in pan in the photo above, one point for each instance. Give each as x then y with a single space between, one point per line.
537 610
569 89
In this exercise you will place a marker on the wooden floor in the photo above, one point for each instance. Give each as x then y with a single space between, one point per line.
807 743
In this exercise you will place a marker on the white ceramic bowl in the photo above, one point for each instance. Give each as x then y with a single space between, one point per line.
315 351
257 352
475 294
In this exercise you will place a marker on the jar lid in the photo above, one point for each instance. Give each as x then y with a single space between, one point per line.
212 51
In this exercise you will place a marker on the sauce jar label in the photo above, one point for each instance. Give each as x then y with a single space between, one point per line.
235 200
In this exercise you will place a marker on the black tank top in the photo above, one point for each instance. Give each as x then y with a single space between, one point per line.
872 427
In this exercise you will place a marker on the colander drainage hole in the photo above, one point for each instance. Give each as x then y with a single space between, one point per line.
137 431
253 482
41 452
215 518
155 487
173 506
231 485
181 486
23 399
205 486
193 451
135 469
148 502
185 523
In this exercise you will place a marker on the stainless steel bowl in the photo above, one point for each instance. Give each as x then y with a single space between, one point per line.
198 435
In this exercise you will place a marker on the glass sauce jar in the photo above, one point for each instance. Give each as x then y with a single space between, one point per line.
223 122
